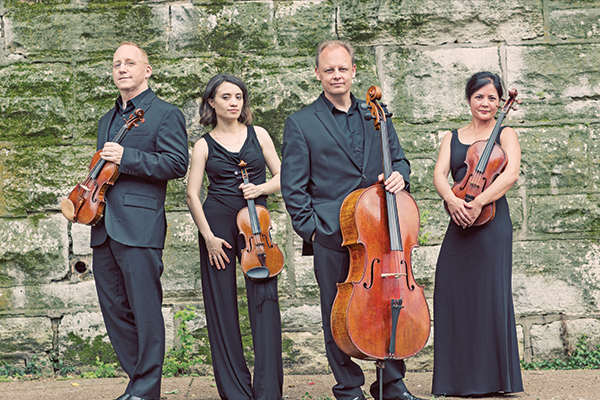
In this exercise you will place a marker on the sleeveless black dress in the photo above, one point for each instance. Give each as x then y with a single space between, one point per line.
475 341
219 289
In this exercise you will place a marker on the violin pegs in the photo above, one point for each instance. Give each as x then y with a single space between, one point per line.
368 116
389 115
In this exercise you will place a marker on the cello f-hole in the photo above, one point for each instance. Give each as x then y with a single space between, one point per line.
370 285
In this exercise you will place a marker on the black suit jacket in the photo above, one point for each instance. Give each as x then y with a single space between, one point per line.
319 170
154 152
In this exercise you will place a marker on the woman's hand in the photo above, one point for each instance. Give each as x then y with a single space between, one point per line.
461 212
473 209
250 190
216 254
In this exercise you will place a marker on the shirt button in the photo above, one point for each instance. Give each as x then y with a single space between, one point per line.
364 176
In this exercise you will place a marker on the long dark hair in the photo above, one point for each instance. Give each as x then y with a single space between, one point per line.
207 113
479 80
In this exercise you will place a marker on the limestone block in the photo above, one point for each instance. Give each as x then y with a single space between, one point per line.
33 251
57 297
421 178
306 283
304 353
588 327
306 316
43 34
300 25
556 276
555 157
180 256
80 235
26 335
432 22
546 342
36 179
551 89
86 325
564 213
223 28
434 221
410 74
424 260
575 23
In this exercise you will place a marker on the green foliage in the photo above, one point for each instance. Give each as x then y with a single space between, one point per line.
180 359
89 351
103 371
32 369
581 358
306 396
424 238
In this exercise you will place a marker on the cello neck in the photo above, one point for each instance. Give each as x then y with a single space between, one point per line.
390 199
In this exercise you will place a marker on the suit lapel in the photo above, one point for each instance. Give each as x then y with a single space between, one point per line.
324 115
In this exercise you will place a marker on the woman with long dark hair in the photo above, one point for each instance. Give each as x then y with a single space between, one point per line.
475 340
233 139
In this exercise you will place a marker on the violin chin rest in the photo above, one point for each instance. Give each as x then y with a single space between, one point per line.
258 273
68 209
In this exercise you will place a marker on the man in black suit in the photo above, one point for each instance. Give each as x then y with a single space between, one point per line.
328 151
128 241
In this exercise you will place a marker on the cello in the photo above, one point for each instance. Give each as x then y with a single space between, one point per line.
261 258
380 313
485 160
85 204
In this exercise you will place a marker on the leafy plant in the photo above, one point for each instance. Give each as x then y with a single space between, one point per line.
581 358
103 370
180 358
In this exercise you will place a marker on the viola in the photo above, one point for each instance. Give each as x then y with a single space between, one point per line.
261 258
380 313
485 160
86 203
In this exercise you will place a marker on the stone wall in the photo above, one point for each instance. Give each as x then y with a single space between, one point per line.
55 83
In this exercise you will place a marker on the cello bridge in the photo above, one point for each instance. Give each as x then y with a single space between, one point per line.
396 275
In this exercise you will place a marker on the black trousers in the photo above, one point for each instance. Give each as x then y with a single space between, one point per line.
219 290
331 267
130 294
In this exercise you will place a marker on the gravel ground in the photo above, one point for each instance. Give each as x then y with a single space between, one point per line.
539 385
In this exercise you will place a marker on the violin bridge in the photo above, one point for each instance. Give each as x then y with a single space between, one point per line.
87 189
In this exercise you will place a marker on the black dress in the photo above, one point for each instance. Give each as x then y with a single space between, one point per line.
219 289
475 341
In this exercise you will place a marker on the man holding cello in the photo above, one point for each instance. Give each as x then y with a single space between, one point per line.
128 240
328 151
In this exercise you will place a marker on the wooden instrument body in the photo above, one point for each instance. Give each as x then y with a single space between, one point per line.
485 160
474 182
85 204
260 250
361 318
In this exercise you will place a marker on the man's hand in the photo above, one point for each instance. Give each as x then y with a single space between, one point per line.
395 183
112 152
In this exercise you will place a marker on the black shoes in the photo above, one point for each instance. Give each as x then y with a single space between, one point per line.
128 397
407 396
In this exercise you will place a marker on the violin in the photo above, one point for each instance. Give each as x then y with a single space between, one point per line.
86 203
380 313
485 160
261 258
